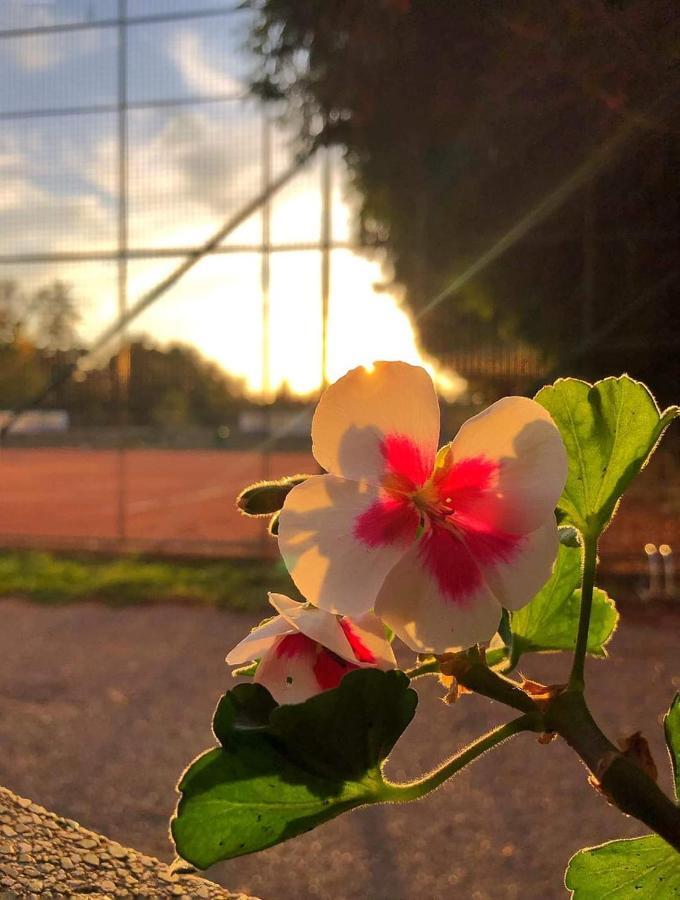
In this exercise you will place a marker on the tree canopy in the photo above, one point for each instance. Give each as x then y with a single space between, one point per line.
458 119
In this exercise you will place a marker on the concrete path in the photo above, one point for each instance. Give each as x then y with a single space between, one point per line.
100 710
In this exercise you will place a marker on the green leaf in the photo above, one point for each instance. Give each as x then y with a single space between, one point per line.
644 867
671 726
283 770
610 430
550 621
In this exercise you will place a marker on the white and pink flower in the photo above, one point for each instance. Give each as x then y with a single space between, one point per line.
435 542
305 650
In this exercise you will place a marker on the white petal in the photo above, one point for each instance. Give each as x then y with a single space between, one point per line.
516 582
260 639
319 625
370 633
361 409
288 678
332 567
412 604
519 435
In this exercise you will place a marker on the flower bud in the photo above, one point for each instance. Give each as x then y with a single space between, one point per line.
267 497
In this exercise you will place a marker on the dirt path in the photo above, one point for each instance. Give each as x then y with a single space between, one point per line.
100 709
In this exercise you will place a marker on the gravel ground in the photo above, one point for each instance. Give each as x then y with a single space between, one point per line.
100 709
46 856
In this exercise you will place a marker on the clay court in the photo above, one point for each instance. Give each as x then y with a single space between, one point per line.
181 502
172 500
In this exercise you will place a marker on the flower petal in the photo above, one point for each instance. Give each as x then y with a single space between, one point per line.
322 544
519 439
435 599
366 635
259 641
317 624
517 581
287 669
356 414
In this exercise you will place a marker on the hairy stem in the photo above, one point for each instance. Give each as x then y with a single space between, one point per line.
620 778
428 667
576 679
415 789
471 670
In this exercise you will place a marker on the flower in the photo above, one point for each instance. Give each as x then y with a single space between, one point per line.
435 542
305 650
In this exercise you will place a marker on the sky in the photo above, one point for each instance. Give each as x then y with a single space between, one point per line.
191 167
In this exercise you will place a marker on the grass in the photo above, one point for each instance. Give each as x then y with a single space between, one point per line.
58 579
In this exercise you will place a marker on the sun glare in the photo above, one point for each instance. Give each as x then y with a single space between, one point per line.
218 308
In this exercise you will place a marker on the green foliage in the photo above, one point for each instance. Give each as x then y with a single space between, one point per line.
610 430
281 771
550 621
671 725
50 578
645 867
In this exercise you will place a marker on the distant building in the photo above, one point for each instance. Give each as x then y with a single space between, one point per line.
36 421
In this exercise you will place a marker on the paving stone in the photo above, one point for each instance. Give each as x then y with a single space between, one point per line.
54 871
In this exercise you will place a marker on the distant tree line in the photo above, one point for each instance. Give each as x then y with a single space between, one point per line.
165 386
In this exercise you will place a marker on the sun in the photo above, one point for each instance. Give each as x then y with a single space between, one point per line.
218 308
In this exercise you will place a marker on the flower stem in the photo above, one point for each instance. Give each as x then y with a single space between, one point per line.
620 778
576 679
429 667
413 790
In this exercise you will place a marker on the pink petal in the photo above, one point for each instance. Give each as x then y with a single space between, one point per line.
516 581
366 635
317 624
388 520
367 415
329 669
435 599
287 669
519 439
321 544
259 641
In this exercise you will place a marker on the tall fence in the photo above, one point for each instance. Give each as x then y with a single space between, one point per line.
141 178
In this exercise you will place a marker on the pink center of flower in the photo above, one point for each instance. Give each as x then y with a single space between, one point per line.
328 668
456 541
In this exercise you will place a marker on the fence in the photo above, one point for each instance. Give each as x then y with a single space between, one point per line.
149 200
141 177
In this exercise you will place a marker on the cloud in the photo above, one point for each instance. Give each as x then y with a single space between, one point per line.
189 54
39 52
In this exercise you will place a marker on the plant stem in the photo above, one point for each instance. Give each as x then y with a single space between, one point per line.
401 793
470 670
576 679
430 667
620 778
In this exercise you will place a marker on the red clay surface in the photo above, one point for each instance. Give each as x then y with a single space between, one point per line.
171 497
182 501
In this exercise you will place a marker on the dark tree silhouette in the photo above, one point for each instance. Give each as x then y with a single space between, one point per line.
459 118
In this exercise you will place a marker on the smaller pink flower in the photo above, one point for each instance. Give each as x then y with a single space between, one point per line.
305 650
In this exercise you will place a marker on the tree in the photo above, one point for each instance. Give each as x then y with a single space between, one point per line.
457 119
54 316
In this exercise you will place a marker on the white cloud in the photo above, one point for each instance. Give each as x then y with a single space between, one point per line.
39 52
189 54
